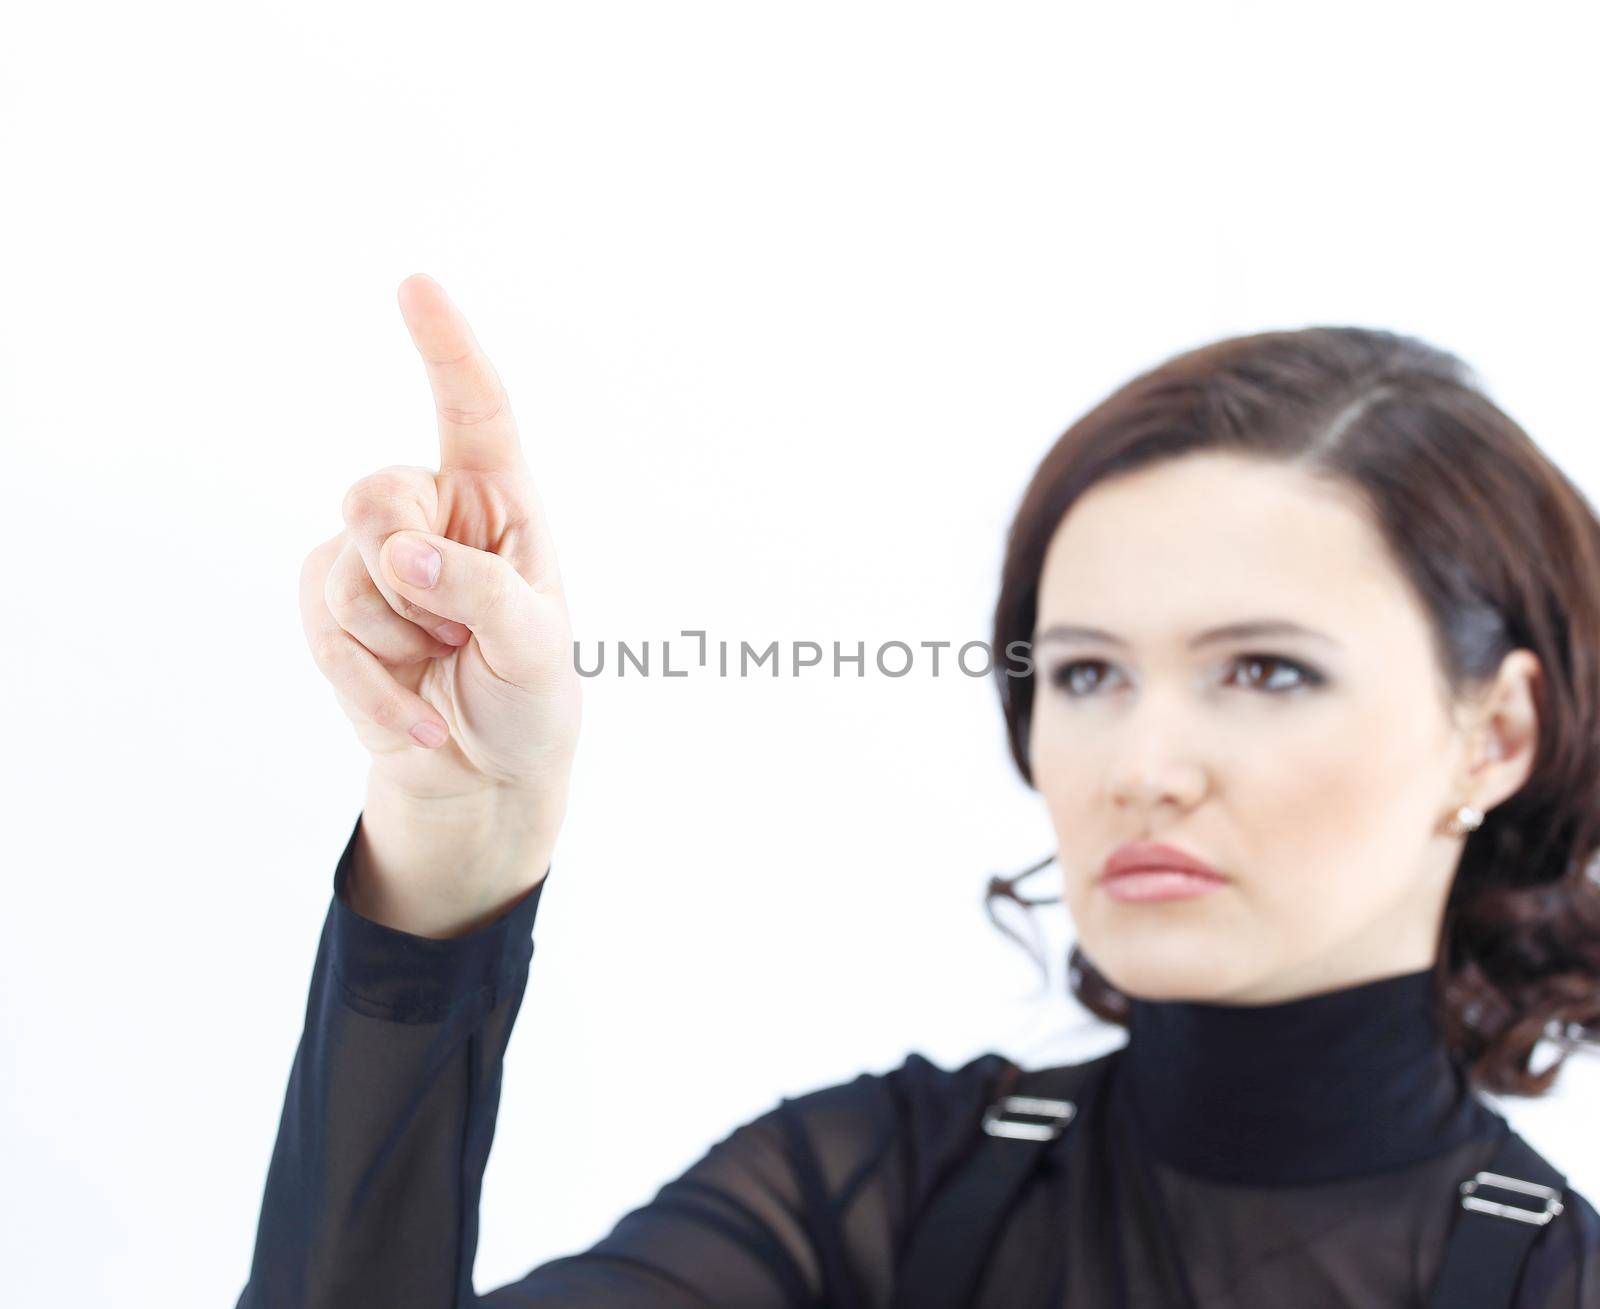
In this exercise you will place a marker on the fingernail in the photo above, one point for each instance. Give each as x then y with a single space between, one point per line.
429 734
453 633
416 562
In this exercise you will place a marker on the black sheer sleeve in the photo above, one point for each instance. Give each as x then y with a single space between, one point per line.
373 1188
1563 1268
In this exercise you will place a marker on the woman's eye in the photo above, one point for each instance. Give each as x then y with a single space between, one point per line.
1064 677
1303 676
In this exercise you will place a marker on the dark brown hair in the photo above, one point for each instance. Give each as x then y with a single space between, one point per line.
1503 552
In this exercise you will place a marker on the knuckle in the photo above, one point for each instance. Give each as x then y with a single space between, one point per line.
358 491
320 557
406 609
474 415
327 649
501 593
385 711
344 589
374 495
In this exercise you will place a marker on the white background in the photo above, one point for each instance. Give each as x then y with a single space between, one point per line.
789 301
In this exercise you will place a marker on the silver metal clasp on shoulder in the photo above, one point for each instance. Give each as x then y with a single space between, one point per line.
1523 1214
996 1120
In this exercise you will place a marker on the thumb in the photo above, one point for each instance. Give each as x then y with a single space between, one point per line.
514 623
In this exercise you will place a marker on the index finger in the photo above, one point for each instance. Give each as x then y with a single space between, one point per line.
476 430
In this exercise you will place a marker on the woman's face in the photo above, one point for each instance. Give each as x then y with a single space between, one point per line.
1313 772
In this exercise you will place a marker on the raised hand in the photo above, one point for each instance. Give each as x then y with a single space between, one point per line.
464 687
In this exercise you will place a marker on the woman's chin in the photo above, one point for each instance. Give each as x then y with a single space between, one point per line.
1157 973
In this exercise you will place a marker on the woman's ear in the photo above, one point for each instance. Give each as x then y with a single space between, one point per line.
1509 726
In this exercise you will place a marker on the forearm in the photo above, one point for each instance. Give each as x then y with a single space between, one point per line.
441 868
373 1188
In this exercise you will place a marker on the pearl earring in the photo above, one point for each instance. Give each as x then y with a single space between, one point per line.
1466 818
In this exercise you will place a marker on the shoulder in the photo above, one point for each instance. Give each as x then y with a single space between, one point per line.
1563 1267
915 1118
920 1105
918 1093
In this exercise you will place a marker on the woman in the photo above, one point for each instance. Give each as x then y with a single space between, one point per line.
1303 612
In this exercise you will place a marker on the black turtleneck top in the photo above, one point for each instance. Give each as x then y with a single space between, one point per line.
1298 1155
1321 1089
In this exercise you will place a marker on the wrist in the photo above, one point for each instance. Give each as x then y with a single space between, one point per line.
441 867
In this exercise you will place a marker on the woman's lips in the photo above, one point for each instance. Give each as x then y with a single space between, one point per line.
1152 870
1159 884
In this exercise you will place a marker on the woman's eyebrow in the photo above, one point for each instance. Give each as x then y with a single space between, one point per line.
1256 627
